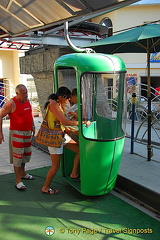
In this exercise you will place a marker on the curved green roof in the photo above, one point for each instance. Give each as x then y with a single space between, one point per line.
91 62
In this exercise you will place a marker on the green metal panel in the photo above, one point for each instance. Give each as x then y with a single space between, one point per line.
99 165
101 144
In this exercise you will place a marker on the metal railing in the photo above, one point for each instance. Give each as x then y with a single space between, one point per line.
32 96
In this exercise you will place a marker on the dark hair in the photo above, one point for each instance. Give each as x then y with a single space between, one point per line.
52 96
64 91
74 92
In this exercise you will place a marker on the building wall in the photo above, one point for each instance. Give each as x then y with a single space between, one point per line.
136 15
131 16
127 17
9 66
40 64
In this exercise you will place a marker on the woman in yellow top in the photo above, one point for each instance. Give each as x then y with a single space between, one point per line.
56 116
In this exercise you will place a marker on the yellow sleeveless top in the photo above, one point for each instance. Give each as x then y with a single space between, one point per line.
52 120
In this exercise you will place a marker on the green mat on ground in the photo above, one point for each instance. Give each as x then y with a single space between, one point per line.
32 215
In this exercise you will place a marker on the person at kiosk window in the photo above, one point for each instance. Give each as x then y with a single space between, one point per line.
54 105
71 111
21 129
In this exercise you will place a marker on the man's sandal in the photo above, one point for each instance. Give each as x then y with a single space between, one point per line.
20 186
50 191
28 177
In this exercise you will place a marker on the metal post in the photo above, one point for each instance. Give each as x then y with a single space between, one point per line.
133 118
149 147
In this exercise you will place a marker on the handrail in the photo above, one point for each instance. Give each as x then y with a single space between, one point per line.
77 49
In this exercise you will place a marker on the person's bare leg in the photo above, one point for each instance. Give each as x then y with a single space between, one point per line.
23 173
17 171
75 173
52 171
72 145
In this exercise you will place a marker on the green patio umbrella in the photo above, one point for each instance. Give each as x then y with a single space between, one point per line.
142 39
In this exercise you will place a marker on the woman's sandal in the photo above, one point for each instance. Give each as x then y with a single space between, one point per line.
51 191
28 177
20 186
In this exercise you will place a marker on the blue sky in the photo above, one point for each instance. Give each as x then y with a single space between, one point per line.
148 2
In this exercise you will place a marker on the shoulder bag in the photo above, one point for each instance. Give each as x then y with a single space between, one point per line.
49 137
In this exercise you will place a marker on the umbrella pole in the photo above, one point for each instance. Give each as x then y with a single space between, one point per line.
149 147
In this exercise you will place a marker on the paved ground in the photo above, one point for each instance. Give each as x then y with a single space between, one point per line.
39 158
133 166
71 215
